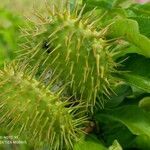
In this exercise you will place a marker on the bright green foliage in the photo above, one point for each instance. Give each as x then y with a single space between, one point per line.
72 46
91 143
145 103
28 109
144 24
138 76
138 122
141 10
129 30
9 34
129 125
137 81
115 146
142 142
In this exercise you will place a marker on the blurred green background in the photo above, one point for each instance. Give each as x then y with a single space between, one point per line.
12 14
12 17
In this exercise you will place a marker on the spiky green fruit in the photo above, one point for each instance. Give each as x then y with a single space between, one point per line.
29 110
71 45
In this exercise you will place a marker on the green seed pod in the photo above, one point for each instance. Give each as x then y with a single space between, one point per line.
76 51
42 118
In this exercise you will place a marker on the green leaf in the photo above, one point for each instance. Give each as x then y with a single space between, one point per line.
115 146
109 4
144 24
9 34
141 10
89 143
103 4
138 76
138 65
129 30
121 91
133 117
142 142
137 81
145 103
112 130
123 3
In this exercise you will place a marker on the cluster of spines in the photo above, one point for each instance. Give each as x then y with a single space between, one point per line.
89 46
34 113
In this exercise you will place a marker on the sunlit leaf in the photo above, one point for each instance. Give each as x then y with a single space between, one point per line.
129 30
115 146
140 82
145 103
89 143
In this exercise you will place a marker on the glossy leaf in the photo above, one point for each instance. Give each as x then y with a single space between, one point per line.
145 103
129 30
137 81
133 117
144 24
111 130
142 142
115 146
89 143
141 10
121 91
138 65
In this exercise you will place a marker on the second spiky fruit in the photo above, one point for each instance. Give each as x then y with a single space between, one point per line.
76 51
35 114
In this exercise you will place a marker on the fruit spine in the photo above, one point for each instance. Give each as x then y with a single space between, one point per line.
70 44
30 110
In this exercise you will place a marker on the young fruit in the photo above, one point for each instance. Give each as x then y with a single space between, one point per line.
29 110
71 45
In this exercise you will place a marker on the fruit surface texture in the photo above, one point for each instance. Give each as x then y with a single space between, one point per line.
74 48
35 114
